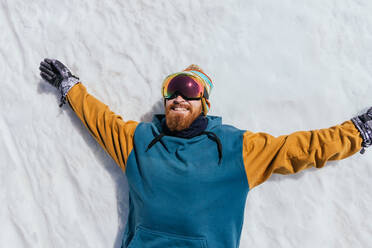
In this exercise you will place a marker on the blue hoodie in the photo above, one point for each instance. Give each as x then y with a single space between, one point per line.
179 195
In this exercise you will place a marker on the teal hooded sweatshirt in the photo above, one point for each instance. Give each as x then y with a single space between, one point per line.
179 193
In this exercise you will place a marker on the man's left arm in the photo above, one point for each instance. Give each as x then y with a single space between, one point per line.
264 154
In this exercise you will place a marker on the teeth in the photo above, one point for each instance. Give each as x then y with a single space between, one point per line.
180 109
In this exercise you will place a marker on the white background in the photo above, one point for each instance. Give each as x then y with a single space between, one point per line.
278 67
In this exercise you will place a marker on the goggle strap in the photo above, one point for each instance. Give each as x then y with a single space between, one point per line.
206 95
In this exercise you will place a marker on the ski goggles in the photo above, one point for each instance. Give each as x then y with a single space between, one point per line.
185 84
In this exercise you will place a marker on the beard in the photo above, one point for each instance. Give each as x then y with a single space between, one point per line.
180 121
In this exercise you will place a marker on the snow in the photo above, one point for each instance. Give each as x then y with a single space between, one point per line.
278 67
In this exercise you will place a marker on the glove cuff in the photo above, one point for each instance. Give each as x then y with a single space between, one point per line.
365 129
65 86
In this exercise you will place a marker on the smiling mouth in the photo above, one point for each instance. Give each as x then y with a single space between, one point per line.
179 109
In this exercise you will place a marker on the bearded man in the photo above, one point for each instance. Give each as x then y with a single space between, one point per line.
189 174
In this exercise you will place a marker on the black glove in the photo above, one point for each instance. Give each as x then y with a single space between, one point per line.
364 124
58 75
54 72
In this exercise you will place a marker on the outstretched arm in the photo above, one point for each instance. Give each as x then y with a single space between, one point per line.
109 129
264 154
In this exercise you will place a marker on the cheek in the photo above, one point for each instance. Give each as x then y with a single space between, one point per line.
197 106
167 103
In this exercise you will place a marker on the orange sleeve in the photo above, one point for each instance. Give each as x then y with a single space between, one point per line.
109 129
264 154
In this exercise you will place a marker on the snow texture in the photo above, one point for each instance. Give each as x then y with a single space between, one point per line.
278 67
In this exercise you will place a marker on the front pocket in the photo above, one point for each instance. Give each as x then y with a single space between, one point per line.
145 237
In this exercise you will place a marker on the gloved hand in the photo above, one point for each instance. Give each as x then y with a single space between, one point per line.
58 75
364 124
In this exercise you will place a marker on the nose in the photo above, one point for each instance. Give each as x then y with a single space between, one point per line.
179 98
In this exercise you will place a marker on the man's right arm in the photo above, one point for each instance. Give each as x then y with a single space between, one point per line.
108 128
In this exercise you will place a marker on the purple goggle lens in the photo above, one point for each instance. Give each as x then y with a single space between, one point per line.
185 86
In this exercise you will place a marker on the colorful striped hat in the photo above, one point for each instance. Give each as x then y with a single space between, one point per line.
196 71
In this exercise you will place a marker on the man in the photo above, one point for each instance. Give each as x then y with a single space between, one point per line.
189 174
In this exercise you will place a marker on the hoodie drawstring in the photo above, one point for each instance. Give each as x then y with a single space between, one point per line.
156 139
219 145
214 137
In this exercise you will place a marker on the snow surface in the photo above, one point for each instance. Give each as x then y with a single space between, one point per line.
278 67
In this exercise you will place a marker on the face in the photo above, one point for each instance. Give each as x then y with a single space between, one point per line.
180 113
